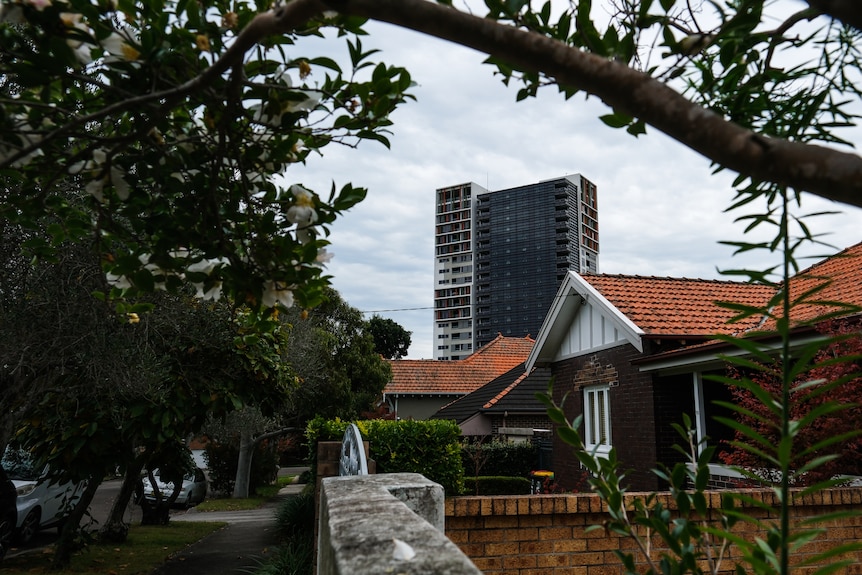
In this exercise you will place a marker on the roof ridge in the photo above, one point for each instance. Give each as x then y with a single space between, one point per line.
505 391
670 278
824 260
487 347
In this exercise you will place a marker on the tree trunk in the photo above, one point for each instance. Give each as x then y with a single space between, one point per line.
69 542
247 445
115 529
159 513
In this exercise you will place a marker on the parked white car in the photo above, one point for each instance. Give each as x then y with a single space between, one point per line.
193 491
40 503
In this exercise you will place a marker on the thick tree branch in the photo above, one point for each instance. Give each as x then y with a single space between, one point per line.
847 11
823 171
826 172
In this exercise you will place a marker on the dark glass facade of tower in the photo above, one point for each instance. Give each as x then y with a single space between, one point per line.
526 239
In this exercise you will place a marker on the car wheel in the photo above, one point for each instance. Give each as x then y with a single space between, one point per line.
29 527
7 527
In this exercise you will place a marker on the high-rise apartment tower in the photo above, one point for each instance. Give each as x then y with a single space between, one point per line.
501 256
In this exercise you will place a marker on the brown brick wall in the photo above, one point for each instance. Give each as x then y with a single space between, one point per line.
547 534
632 408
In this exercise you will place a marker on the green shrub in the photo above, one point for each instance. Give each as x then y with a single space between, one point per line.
294 557
427 447
222 459
496 485
295 515
499 458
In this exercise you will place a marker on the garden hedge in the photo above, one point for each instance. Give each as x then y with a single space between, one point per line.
428 447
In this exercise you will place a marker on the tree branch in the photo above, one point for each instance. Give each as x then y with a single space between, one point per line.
823 171
847 11
277 21
826 172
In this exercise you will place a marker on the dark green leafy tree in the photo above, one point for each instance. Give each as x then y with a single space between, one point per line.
391 340
88 390
340 373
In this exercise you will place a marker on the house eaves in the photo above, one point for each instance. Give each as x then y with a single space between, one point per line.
711 355
574 296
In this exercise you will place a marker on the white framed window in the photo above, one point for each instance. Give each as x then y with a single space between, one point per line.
597 419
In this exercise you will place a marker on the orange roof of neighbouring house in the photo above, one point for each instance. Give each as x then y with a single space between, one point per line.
458 377
679 306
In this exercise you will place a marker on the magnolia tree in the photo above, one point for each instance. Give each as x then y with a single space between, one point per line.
182 129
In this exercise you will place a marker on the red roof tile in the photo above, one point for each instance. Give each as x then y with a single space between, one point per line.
506 391
458 377
679 306
836 279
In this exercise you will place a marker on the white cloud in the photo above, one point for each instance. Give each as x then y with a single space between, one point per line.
660 209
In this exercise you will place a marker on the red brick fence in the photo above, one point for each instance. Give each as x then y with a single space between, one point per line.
546 534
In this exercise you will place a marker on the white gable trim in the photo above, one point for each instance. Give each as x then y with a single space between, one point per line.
581 320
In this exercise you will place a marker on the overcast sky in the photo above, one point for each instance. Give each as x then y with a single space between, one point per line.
660 208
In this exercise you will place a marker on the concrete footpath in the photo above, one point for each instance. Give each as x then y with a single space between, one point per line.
242 546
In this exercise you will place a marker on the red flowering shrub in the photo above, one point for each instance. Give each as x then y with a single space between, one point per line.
829 381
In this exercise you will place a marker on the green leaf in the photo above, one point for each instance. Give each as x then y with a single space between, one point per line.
616 120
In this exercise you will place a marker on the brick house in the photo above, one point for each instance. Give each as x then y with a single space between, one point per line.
631 352
505 407
420 387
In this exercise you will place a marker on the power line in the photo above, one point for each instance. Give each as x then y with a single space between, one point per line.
518 300
397 309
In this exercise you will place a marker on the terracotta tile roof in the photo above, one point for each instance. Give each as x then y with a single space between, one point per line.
458 377
679 306
839 278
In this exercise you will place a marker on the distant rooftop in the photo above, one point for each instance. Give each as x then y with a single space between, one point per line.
458 377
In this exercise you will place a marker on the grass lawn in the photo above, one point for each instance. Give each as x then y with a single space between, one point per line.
146 548
262 495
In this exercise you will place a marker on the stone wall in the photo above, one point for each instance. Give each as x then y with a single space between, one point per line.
387 523
547 534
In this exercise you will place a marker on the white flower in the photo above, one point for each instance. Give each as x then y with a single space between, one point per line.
39 5
302 211
205 266
121 186
119 46
95 188
81 49
213 293
305 235
323 256
312 98
275 293
121 282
